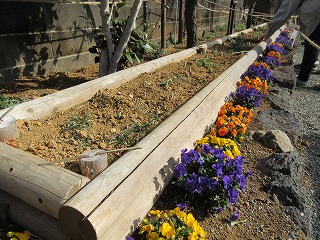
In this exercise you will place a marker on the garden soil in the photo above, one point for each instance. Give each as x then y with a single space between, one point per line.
120 118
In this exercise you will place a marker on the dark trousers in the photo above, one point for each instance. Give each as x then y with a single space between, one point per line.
310 55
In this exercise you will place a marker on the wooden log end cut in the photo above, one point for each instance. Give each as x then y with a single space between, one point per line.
75 224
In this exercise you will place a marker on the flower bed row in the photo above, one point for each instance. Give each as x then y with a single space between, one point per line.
214 168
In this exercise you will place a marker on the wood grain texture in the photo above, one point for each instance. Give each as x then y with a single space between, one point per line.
45 188
28 217
93 165
159 148
111 205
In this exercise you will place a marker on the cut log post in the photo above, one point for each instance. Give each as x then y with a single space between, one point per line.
8 128
45 188
136 177
202 49
92 166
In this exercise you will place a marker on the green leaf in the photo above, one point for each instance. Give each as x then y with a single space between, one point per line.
147 47
129 58
121 4
138 57
115 13
6 102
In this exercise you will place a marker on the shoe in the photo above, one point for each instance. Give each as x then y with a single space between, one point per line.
317 86
300 83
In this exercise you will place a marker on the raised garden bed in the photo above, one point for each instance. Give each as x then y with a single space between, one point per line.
135 175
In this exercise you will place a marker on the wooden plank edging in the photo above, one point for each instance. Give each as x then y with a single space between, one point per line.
99 215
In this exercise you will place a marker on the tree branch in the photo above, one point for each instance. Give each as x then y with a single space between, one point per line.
125 37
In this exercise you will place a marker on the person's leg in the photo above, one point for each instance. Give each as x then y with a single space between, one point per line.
310 55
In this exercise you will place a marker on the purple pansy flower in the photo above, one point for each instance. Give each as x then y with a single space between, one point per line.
233 195
226 181
247 97
187 157
206 149
212 174
235 216
218 167
273 62
183 205
179 171
259 71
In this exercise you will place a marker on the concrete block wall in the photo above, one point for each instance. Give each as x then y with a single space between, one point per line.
39 38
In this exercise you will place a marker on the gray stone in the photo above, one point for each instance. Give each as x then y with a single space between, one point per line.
280 99
299 218
282 120
284 170
274 139
285 77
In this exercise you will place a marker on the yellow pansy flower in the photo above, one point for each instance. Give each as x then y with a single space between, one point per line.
19 236
147 228
167 230
153 236
155 212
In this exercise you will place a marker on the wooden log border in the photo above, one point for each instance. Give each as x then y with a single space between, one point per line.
33 219
122 195
70 97
45 188
135 181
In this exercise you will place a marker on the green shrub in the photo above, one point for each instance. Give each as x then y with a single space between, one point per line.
6 102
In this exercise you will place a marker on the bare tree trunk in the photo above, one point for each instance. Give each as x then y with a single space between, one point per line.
181 20
106 51
191 25
109 58
251 10
125 37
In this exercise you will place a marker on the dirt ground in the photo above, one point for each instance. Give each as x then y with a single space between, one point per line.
120 118
116 118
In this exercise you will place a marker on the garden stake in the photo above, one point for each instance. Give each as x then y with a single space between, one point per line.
76 158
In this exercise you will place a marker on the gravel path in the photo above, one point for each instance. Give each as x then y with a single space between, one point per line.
307 108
